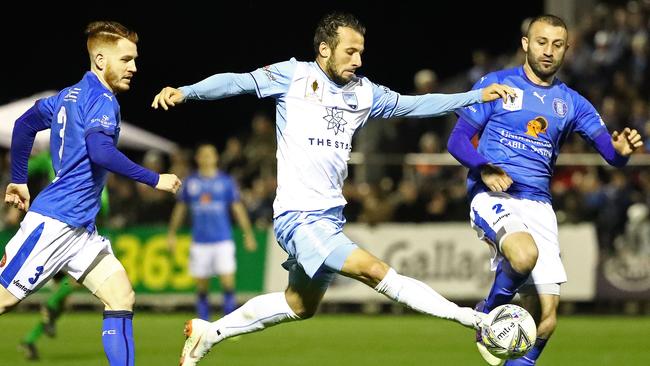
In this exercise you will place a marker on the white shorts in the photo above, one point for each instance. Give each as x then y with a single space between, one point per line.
495 215
212 259
42 247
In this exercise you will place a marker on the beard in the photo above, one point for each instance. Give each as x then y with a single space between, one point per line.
115 81
541 71
330 70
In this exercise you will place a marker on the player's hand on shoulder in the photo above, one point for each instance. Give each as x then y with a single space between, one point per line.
168 97
495 178
17 195
496 91
627 141
168 183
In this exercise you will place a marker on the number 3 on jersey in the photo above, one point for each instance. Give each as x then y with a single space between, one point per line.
61 118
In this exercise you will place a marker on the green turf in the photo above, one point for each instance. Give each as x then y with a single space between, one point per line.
329 340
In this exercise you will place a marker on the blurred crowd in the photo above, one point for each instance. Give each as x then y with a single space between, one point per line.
607 63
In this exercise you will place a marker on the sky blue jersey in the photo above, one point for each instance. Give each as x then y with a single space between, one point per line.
73 196
524 135
209 200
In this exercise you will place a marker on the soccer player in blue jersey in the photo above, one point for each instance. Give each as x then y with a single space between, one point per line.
319 106
510 172
210 195
58 232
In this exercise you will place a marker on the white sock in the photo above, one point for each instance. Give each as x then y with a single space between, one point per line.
420 297
256 314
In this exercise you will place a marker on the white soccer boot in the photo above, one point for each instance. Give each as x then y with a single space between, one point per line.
196 343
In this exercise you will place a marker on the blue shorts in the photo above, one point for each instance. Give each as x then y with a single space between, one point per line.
309 237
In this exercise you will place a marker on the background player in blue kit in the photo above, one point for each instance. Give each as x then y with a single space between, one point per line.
58 232
509 174
319 106
210 195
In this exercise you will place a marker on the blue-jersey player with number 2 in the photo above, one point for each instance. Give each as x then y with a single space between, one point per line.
58 232
510 172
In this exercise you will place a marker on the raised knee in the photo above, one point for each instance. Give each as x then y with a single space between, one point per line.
524 257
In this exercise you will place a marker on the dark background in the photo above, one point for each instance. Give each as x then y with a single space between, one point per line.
183 43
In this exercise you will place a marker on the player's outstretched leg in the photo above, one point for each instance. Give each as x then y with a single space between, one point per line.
256 314
363 266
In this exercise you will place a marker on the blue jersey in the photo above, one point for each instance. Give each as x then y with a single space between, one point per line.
523 136
73 196
209 199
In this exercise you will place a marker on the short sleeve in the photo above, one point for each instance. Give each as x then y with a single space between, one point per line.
233 195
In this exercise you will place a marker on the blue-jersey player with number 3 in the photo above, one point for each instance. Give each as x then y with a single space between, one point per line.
510 172
58 232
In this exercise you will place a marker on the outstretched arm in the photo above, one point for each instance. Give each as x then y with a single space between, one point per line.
390 104
617 147
102 151
215 87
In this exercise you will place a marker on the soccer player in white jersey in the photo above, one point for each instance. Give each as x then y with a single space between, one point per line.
58 232
509 175
319 106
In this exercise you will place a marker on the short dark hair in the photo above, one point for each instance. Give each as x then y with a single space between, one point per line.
327 28
548 19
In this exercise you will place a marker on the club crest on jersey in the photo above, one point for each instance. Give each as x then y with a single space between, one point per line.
536 126
350 98
335 121
314 89
514 104
560 107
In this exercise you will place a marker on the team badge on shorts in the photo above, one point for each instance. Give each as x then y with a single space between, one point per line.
3 261
559 107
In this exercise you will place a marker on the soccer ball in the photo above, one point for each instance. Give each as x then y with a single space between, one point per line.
510 331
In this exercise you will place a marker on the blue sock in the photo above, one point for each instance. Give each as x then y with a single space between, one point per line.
531 357
203 306
229 302
506 283
117 337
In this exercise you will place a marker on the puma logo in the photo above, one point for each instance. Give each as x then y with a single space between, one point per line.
541 97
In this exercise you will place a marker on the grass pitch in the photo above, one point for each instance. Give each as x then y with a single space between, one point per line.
327 340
